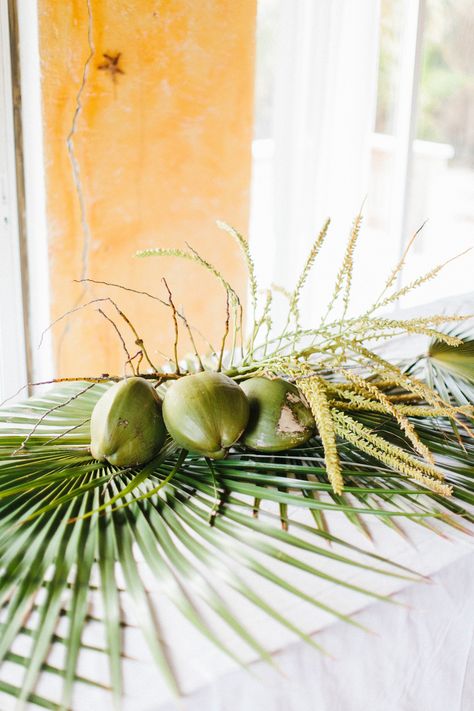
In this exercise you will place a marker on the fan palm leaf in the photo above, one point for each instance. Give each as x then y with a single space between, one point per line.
62 517
450 369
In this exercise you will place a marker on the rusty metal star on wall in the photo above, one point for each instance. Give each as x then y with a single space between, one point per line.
111 65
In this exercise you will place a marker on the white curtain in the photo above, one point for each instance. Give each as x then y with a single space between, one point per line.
317 163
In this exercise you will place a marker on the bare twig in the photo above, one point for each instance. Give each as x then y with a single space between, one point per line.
226 333
122 340
71 429
100 379
104 378
175 321
191 338
69 313
48 412
180 313
139 355
138 340
124 288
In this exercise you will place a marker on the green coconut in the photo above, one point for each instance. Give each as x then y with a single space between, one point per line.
280 418
127 427
205 413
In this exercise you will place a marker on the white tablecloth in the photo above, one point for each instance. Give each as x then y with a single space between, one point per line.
418 654
420 657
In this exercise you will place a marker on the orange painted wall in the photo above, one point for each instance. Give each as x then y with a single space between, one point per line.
162 152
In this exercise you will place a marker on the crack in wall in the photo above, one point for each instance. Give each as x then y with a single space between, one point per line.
76 175
76 171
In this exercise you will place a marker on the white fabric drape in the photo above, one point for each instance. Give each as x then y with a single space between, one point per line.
421 656
317 163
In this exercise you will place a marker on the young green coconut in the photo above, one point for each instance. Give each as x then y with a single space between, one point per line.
279 416
127 427
206 413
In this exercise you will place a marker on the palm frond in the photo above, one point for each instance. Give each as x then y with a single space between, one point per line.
449 369
47 546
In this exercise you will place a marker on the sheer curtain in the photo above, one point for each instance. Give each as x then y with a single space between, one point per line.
316 162
364 99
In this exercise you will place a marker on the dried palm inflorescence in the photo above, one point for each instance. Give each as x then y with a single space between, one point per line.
330 364
334 368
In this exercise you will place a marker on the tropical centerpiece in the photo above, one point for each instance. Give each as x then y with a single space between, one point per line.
197 463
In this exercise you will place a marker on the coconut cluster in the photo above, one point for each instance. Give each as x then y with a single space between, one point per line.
205 413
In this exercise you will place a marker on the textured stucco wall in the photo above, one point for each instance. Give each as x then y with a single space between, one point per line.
161 151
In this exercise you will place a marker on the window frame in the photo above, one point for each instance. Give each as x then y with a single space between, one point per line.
406 117
37 268
13 330
24 267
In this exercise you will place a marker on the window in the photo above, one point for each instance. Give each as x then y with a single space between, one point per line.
372 98
24 287
369 98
